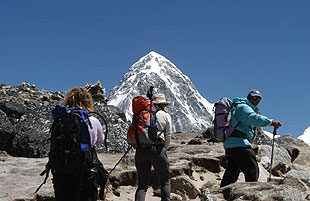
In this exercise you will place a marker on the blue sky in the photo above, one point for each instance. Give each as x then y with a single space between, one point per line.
225 47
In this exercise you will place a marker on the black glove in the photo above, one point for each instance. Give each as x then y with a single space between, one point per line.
149 93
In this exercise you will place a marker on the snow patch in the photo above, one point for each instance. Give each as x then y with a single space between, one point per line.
305 136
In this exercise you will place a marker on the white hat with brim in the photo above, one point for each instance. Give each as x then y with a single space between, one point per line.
160 99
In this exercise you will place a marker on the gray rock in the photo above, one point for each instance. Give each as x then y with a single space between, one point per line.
288 139
296 182
292 144
175 197
300 172
206 195
129 160
14 110
196 141
183 185
262 139
280 155
31 139
117 128
210 163
261 191
6 130
97 92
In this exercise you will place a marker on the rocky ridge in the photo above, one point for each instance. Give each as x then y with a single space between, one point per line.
25 119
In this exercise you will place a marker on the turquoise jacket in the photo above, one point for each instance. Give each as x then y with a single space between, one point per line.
247 114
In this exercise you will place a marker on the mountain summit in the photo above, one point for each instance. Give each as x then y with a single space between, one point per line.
189 110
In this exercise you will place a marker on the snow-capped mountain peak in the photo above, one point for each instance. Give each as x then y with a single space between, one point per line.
305 136
154 63
188 109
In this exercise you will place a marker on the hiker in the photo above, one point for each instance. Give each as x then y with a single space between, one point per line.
148 154
80 187
238 149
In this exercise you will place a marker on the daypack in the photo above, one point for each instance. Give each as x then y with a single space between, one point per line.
70 148
222 117
141 131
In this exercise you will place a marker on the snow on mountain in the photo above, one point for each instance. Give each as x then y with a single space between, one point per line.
305 136
189 110
270 135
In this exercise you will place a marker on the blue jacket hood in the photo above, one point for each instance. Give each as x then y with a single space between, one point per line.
245 101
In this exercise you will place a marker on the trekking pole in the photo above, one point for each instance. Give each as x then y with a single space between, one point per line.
150 96
272 150
120 160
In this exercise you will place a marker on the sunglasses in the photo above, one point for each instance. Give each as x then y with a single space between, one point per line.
257 98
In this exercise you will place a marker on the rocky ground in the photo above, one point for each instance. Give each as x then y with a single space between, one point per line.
197 167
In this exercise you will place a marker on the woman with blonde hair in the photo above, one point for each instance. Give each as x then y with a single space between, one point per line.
80 187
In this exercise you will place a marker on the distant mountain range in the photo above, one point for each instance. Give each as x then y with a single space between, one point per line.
189 110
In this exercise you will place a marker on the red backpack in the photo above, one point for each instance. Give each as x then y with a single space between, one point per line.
140 130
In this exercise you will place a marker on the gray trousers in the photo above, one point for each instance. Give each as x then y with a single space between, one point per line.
145 158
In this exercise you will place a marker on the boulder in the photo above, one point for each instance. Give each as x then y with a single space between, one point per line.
97 92
298 149
280 155
261 138
300 172
209 163
296 182
32 133
13 109
261 191
6 130
183 186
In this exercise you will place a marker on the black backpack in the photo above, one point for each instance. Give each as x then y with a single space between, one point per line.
70 149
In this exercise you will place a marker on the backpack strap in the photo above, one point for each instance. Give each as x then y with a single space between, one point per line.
159 140
136 129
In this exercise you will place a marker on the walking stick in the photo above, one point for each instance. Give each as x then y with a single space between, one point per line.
150 96
272 150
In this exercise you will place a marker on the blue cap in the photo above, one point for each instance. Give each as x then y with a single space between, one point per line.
256 93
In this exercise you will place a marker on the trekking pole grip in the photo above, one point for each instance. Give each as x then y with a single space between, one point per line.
274 131
149 93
